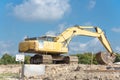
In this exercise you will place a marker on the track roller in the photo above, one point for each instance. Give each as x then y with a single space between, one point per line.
41 59
36 59
71 59
47 59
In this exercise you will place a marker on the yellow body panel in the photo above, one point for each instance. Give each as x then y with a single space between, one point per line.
53 47
45 47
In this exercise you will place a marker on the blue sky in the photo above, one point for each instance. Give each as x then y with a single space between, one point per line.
19 18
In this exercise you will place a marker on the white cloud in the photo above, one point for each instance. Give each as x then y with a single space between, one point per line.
4 44
7 47
117 49
93 45
87 23
115 29
91 4
60 29
41 9
77 47
51 33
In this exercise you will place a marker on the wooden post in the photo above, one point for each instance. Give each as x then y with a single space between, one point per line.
22 75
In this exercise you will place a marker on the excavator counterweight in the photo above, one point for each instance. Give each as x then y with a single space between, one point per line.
48 49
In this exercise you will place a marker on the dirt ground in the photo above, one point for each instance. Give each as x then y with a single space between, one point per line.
65 72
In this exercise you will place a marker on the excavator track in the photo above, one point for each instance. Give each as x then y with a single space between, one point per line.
36 59
48 59
71 59
41 59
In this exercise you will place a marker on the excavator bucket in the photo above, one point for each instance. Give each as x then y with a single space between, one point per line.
105 58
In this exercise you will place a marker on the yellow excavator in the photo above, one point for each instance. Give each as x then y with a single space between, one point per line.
51 49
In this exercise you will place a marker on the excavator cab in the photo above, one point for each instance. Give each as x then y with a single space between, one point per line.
42 45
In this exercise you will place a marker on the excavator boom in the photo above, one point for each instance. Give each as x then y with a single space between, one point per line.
85 31
102 57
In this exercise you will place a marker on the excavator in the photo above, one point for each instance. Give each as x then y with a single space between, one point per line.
52 49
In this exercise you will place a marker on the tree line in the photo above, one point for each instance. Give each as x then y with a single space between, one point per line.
9 59
85 58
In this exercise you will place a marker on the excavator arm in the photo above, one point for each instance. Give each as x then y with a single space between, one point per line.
91 31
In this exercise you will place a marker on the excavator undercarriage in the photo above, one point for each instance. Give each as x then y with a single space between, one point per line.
101 57
53 59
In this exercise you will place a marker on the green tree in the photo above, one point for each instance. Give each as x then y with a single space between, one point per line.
7 59
94 59
86 58
117 58
27 59
0 61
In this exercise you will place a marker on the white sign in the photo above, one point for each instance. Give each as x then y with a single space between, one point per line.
20 57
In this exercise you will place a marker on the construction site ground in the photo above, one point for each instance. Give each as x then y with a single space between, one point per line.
65 72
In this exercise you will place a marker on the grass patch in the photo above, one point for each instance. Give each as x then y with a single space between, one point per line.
3 76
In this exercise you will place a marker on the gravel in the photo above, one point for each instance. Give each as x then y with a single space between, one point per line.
69 72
